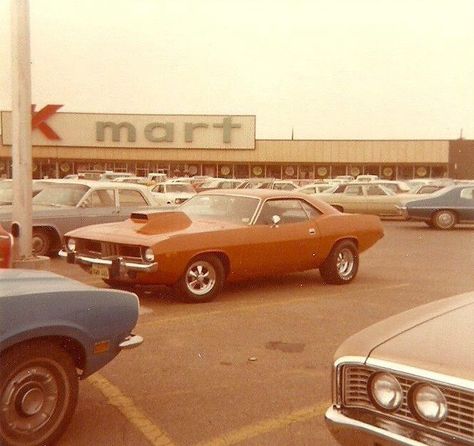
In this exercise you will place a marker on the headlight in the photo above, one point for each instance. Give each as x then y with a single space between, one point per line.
429 403
71 245
385 391
149 255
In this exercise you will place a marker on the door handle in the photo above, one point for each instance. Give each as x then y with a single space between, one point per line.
312 231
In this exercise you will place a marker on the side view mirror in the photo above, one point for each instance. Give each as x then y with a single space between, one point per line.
275 220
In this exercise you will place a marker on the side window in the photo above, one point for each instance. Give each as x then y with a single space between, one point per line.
129 198
289 211
468 193
375 190
310 210
102 198
353 190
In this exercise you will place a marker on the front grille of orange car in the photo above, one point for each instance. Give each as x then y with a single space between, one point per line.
460 419
106 250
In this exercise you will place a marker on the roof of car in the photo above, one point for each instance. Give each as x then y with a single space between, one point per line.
97 184
271 193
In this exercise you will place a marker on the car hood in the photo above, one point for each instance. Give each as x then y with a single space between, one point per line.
436 336
17 282
148 227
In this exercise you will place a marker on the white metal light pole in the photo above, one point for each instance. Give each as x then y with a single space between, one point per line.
21 129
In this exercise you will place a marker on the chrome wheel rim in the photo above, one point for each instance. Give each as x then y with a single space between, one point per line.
345 263
445 219
200 278
29 400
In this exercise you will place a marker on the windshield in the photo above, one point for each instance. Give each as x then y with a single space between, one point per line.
232 209
60 195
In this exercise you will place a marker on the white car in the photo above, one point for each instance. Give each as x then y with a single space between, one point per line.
172 193
317 188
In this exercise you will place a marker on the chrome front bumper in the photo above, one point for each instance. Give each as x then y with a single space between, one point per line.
348 431
132 341
118 263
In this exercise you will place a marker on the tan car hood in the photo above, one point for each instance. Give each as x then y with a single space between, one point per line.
437 336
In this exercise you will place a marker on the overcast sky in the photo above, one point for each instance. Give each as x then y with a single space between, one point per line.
335 69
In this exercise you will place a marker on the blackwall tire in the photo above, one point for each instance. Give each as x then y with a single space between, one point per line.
38 394
342 264
41 242
202 280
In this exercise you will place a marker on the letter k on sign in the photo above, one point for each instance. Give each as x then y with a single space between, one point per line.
38 119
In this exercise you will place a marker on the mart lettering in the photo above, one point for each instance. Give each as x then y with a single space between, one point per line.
164 132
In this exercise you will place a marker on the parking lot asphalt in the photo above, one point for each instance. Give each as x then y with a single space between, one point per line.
253 367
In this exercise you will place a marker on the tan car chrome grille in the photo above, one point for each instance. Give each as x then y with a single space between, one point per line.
460 419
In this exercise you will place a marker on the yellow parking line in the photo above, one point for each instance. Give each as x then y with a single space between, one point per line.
116 398
265 426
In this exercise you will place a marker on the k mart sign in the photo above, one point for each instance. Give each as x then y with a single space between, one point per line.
53 128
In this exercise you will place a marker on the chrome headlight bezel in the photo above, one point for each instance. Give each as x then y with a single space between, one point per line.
428 403
71 245
385 391
148 255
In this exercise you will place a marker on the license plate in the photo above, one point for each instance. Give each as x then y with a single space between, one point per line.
101 271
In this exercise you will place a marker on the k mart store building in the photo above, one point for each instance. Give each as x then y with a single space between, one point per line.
220 146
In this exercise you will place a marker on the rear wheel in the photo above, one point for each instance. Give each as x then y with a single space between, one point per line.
41 242
202 280
38 394
342 264
443 219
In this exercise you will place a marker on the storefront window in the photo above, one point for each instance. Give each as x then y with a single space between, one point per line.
339 170
324 171
355 170
273 171
258 171
439 172
405 172
209 170
305 172
289 172
372 170
241 171
388 172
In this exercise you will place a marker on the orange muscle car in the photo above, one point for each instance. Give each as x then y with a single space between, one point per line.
225 235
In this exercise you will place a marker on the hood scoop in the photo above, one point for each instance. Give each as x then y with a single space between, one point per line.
160 222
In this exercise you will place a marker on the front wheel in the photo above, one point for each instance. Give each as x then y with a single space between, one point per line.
38 394
443 219
341 265
202 280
